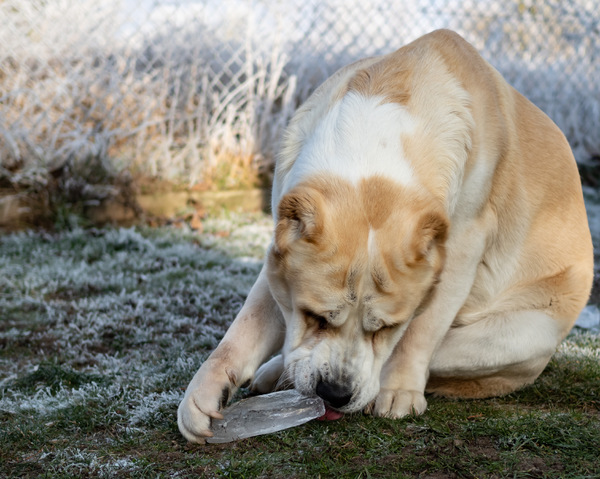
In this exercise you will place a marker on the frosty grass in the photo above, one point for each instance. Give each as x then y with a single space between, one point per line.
117 321
120 318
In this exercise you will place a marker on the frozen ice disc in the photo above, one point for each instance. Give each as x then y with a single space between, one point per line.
265 414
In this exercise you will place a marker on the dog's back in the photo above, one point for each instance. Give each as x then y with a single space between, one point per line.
480 145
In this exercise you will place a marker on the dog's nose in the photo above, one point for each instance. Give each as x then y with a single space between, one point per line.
337 396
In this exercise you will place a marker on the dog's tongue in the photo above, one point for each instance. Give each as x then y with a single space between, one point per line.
330 414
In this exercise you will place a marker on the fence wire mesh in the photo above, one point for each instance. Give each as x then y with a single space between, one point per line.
199 91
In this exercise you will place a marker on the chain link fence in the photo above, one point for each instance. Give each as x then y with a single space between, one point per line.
199 91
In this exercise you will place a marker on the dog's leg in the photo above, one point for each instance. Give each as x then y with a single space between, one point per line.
405 374
495 355
256 333
268 376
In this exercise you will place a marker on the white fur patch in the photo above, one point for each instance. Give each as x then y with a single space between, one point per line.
359 137
372 246
493 343
372 242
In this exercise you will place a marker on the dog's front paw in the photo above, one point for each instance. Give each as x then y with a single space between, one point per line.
397 403
195 411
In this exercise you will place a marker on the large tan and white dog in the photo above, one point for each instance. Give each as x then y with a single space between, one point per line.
430 236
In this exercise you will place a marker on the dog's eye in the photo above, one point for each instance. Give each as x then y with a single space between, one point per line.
319 320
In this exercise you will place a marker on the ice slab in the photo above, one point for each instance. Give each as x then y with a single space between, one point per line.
265 414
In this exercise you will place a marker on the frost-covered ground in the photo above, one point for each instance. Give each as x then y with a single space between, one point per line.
100 331
120 318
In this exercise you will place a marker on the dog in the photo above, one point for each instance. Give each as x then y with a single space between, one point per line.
430 236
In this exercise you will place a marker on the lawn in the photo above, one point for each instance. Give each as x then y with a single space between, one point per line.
101 330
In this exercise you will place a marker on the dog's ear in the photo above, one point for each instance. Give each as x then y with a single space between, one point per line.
431 231
299 218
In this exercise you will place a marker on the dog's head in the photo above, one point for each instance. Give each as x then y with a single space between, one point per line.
350 266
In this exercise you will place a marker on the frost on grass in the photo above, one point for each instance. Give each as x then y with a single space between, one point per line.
581 344
101 330
76 462
105 328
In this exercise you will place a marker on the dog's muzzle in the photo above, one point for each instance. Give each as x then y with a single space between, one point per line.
336 395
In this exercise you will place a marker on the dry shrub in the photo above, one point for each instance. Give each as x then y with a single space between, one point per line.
199 93
159 105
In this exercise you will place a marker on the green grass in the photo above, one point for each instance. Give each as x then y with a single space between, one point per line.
101 330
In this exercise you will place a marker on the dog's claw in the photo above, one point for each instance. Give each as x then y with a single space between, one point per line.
215 415
398 403
195 413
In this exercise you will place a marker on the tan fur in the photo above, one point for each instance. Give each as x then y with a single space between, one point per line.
316 238
462 278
